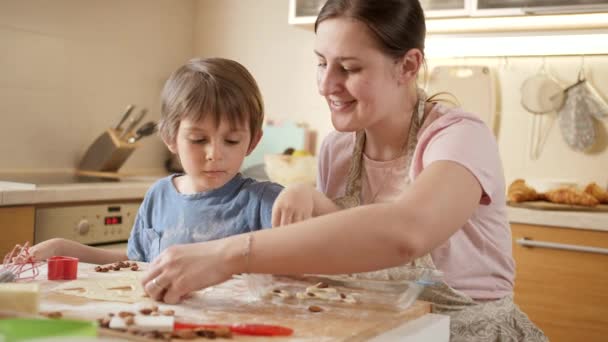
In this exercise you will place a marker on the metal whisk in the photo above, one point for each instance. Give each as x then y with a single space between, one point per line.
17 263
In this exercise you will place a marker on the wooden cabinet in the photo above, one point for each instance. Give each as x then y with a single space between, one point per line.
16 227
562 283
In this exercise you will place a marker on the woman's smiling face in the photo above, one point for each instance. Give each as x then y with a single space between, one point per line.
359 81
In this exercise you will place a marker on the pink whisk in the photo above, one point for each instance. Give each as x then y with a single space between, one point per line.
17 263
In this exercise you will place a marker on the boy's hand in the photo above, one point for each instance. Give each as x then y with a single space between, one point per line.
43 250
294 204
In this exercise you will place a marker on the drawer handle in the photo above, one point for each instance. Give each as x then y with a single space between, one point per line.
527 242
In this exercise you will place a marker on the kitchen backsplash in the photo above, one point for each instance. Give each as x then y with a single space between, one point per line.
556 160
70 67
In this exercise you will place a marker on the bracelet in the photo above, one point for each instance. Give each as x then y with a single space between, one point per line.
247 252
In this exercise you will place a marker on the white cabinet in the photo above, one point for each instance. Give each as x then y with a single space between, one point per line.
446 8
305 11
543 6
481 8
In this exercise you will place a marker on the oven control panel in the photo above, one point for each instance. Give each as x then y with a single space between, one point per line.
87 224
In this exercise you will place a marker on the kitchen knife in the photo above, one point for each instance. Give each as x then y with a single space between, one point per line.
132 123
143 131
124 116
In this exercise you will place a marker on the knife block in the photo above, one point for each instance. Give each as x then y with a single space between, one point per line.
107 153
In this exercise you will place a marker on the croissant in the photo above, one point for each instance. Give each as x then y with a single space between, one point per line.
571 196
598 192
519 191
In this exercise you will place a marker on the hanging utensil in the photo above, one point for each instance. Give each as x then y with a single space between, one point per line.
583 104
540 94
144 130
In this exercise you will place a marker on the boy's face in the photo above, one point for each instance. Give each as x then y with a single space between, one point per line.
211 156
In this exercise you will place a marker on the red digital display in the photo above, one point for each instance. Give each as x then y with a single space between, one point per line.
112 220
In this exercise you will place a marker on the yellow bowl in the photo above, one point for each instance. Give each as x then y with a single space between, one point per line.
287 170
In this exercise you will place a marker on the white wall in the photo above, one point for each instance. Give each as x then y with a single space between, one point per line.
280 56
557 160
69 67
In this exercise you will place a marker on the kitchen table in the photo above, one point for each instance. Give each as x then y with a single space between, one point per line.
232 302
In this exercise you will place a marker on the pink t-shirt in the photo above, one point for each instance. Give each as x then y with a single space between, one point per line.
477 259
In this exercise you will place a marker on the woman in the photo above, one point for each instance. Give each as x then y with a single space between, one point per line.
430 179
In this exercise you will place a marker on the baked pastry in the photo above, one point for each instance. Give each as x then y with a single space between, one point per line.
519 191
571 196
598 192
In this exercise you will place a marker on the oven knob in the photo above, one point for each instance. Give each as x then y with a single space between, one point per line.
83 227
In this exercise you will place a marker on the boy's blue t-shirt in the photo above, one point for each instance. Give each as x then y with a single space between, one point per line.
167 217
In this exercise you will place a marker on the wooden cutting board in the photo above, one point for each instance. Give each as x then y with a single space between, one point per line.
473 85
231 303
543 205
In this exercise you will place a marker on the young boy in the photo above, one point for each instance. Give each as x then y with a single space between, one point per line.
211 118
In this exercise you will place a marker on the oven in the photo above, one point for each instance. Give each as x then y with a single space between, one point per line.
107 225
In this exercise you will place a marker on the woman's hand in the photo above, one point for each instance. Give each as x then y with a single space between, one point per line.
295 203
182 269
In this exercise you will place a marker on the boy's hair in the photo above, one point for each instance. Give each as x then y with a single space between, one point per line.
218 87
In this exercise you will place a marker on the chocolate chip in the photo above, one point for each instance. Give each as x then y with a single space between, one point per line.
124 314
314 308
168 312
145 311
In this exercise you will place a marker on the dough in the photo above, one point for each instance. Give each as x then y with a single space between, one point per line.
124 289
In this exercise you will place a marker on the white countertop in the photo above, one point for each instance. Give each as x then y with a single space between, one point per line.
29 194
12 194
565 219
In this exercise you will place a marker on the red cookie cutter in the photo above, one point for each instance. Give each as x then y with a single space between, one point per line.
62 268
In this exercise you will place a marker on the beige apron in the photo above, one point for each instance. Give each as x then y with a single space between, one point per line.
492 320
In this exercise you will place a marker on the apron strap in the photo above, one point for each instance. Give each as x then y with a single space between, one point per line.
356 172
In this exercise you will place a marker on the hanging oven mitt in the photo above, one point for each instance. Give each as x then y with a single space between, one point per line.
583 104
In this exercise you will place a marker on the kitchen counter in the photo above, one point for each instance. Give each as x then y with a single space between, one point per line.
565 219
14 194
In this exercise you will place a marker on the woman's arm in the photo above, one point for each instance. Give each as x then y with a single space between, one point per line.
366 238
437 204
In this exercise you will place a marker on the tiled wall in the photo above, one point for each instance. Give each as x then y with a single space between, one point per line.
70 67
